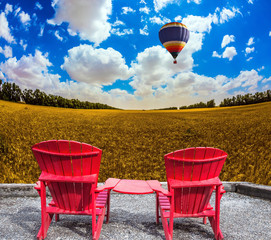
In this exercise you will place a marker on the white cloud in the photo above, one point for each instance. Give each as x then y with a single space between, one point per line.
260 69
95 66
227 39
118 23
144 10
158 20
153 68
7 51
58 36
226 14
126 10
250 1
198 23
24 17
123 32
250 41
144 31
195 1
229 53
89 18
245 79
30 71
17 10
23 44
8 8
159 4
39 6
178 18
215 54
41 31
266 80
249 50
270 34
71 32
4 29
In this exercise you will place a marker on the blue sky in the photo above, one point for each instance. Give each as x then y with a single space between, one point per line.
108 51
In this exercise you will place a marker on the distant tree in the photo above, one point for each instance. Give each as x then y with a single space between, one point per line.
211 103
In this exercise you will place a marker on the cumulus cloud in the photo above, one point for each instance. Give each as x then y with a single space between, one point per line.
153 68
58 36
144 10
229 53
226 14
23 44
7 51
126 10
159 20
250 41
24 17
195 1
88 18
8 8
38 6
215 54
95 66
266 80
198 23
118 23
30 71
249 50
178 18
159 4
4 29
144 31
227 39
123 32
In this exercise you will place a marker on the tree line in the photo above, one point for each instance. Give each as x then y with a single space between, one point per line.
248 98
12 92
209 104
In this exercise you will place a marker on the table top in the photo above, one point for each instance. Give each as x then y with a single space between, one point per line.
133 187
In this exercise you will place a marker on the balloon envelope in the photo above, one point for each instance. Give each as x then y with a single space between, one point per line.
174 37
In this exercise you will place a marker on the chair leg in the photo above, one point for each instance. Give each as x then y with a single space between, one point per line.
157 208
98 227
168 232
93 206
108 206
214 221
45 217
56 217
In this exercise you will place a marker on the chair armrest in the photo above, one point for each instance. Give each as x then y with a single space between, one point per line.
110 183
78 179
37 187
174 183
156 186
222 189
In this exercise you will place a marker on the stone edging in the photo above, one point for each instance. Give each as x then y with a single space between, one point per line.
246 188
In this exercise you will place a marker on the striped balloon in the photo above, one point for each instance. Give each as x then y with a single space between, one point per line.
174 36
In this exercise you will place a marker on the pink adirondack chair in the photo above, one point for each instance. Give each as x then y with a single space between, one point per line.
70 170
192 175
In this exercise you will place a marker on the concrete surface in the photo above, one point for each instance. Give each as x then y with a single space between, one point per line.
133 217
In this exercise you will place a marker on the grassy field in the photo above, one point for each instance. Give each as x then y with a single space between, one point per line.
134 142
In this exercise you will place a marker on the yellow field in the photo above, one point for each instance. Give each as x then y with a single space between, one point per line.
134 142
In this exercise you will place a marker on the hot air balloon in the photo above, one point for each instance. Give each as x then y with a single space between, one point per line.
174 36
